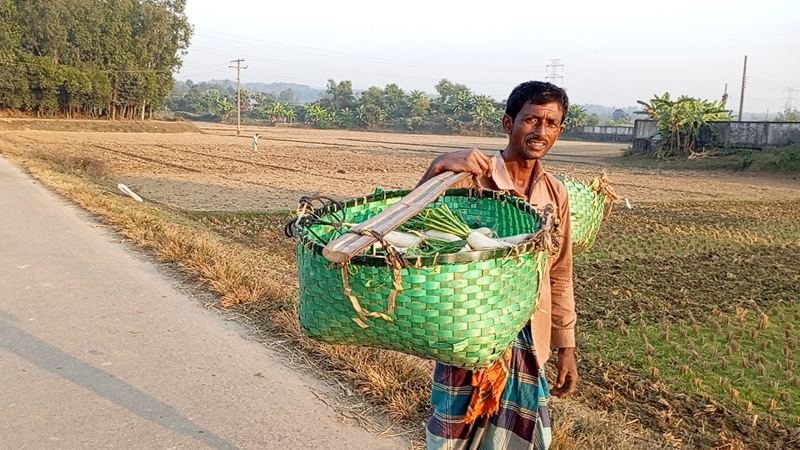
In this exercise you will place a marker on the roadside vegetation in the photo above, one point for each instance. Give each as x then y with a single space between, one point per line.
689 316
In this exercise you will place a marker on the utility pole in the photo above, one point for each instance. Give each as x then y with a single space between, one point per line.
553 76
744 78
238 68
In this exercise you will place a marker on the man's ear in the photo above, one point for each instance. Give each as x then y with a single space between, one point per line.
508 123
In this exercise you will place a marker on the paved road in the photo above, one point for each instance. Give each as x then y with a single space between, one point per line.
99 350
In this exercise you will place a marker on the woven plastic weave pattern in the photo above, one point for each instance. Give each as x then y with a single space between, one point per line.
586 212
464 313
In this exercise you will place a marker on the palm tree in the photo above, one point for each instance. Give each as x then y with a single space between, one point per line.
576 117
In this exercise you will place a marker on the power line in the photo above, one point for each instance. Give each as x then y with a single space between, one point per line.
764 81
315 66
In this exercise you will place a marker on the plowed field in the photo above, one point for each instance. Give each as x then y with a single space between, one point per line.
216 170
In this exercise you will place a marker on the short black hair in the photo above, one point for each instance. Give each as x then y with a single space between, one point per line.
538 93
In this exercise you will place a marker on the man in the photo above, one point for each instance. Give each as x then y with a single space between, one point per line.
255 142
519 419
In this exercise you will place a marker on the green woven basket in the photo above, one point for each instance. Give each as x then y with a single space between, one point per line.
587 209
463 309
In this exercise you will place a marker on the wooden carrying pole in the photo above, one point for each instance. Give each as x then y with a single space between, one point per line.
349 244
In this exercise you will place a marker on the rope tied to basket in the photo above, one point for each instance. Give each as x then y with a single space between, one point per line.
362 314
306 214
397 261
547 236
602 185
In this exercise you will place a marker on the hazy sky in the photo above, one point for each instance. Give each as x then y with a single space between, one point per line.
613 53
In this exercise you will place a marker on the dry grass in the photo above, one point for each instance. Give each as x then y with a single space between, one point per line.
580 427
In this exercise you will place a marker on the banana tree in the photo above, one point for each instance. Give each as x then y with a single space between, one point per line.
281 112
679 121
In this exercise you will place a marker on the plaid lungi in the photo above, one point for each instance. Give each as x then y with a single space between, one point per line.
523 421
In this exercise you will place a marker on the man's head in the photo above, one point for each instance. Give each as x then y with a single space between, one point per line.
538 93
534 119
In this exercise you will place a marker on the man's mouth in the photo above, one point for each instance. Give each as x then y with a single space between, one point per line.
535 143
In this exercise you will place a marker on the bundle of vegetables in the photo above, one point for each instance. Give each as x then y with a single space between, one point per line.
439 231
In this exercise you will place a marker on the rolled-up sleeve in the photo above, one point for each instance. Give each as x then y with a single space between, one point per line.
561 284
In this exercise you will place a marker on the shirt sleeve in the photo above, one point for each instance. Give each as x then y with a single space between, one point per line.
564 316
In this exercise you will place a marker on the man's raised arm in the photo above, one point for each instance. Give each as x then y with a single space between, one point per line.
470 160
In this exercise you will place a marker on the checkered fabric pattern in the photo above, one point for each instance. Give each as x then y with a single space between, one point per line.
523 421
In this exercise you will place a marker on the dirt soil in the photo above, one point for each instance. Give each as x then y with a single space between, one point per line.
216 170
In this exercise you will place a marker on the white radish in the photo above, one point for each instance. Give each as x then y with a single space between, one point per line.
488 232
436 234
465 248
479 241
400 239
516 239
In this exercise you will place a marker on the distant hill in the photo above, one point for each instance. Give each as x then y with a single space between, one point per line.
605 112
302 93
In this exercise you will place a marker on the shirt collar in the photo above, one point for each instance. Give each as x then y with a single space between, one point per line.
502 178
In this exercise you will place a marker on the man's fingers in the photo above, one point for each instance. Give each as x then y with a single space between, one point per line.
567 390
482 161
478 167
566 386
562 377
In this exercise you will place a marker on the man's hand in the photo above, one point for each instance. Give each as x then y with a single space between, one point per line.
470 160
567 381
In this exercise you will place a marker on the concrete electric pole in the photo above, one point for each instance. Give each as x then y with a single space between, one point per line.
238 68
744 78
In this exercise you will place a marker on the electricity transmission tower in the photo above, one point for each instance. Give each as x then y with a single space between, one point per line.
552 72
238 68
789 105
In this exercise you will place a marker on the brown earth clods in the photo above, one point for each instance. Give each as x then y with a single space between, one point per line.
216 170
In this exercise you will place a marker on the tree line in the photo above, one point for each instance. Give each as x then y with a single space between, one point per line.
90 58
456 109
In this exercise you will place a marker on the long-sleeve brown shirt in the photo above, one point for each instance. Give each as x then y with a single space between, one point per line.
553 323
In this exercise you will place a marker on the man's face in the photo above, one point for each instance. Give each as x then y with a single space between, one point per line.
535 129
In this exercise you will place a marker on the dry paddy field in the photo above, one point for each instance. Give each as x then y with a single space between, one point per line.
689 311
216 170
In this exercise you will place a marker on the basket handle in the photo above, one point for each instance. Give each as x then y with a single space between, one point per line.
349 244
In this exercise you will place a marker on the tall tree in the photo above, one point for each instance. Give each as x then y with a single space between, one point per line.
120 51
342 94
